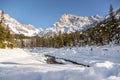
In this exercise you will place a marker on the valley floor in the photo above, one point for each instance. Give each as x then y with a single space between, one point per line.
29 64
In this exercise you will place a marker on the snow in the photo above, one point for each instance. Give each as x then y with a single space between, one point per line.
70 23
29 64
66 24
17 56
106 64
18 28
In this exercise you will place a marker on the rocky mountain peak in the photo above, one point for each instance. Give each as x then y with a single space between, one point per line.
64 18
16 27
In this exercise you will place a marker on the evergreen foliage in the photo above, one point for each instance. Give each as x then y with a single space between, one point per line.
5 36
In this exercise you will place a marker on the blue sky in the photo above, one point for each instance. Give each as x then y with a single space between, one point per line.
43 13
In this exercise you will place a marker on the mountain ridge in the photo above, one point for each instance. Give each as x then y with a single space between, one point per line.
16 27
67 23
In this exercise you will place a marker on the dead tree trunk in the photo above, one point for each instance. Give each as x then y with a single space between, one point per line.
52 60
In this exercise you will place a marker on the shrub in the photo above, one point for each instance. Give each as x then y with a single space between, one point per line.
2 45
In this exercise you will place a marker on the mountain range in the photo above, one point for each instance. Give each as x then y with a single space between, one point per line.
16 27
66 24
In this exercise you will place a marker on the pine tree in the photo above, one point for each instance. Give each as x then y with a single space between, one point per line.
111 13
4 34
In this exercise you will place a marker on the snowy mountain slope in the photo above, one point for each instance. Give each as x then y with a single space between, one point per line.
116 13
70 23
66 24
16 27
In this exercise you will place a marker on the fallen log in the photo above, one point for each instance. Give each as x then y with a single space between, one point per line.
52 60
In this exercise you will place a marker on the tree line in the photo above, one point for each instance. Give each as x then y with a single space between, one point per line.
104 33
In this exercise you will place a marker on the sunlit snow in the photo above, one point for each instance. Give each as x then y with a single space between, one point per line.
29 64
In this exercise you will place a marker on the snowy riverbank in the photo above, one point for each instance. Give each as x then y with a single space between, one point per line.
29 64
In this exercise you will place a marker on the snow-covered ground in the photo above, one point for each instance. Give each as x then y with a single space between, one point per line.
29 64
